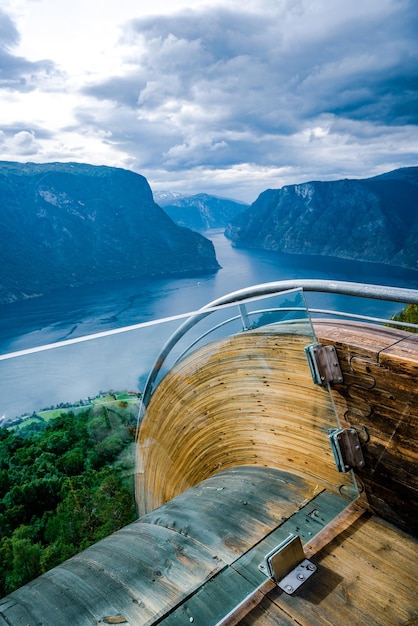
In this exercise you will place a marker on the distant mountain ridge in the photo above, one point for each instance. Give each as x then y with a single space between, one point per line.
66 224
373 219
201 211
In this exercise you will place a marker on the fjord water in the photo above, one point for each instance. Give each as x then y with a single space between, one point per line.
30 383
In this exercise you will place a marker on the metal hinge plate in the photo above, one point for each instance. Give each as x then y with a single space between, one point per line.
345 443
324 364
287 565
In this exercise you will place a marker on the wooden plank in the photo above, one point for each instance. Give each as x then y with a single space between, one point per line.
379 397
212 602
359 584
245 400
404 352
361 338
366 575
232 593
307 523
239 507
140 573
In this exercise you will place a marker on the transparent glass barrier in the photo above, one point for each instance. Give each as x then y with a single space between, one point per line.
222 387
233 387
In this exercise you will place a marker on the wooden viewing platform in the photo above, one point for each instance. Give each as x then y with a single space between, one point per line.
233 456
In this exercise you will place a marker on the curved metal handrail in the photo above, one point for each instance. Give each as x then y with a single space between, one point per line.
361 290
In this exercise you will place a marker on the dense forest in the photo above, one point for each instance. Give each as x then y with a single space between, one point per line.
409 314
64 484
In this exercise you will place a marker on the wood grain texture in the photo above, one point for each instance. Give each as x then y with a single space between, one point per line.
365 576
234 509
379 397
144 571
238 433
244 400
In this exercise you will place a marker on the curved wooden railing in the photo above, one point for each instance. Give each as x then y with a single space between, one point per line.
244 400
233 455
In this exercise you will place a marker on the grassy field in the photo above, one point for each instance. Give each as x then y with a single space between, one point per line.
120 398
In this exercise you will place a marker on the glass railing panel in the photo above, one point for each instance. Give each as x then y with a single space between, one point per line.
225 386
234 387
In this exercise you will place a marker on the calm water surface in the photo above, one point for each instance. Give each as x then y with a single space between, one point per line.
44 379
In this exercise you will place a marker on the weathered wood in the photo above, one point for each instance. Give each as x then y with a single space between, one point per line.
139 572
239 507
379 397
341 522
367 575
233 591
245 400
243 416
144 571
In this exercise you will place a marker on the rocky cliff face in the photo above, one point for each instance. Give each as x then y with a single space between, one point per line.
70 224
201 211
374 219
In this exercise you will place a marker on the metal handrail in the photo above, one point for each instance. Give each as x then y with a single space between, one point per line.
361 290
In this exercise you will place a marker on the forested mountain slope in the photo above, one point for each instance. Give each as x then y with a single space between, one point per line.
65 224
201 211
374 219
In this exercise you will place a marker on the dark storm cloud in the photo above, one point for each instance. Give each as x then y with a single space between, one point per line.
235 85
17 73
145 140
124 90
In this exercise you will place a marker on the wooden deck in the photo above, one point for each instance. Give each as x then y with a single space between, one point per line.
233 456
366 575
195 560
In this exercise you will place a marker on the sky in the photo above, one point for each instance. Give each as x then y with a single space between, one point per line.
218 96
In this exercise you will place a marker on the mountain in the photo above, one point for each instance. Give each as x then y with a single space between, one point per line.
67 224
372 219
162 198
201 211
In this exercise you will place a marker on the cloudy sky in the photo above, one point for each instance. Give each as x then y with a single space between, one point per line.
219 96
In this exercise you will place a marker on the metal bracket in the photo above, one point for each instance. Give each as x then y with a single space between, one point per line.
324 364
345 443
287 565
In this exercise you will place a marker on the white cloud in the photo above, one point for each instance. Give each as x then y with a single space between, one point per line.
220 97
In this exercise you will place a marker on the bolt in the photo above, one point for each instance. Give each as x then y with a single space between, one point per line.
311 567
301 576
289 589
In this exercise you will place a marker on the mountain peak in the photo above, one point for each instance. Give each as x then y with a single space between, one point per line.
372 219
66 224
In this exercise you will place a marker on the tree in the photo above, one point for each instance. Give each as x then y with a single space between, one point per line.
410 315
62 488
